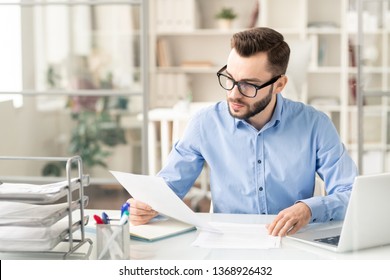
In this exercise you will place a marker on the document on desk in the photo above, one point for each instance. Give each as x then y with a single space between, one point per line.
154 191
237 236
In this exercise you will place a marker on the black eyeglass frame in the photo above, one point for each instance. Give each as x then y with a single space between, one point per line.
270 82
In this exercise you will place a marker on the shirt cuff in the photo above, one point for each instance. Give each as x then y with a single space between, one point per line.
319 213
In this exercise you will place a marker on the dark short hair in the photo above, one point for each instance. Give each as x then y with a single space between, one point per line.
263 39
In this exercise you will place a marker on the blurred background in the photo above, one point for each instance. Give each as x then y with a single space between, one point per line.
116 81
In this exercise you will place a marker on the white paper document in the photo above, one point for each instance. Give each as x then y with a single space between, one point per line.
36 193
237 236
11 189
154 191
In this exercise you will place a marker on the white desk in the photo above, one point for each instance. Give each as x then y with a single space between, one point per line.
179 247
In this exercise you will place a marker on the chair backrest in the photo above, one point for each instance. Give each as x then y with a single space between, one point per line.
195 195
297 69
188 110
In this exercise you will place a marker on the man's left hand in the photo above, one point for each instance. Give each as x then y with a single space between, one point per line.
290 220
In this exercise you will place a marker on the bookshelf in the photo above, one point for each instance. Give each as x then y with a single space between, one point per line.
330 27
373 84
196 49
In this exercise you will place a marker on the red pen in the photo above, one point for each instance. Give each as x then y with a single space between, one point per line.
98 220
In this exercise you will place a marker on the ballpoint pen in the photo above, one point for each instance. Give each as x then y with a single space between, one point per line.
125 207
105 218
98 220
124 217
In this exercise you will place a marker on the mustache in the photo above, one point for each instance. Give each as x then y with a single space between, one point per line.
238 101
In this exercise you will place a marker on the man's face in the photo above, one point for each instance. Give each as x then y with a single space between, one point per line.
252 70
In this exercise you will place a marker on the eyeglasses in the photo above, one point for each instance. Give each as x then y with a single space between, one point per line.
246 89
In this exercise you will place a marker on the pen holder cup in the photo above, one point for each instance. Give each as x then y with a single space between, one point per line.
113 241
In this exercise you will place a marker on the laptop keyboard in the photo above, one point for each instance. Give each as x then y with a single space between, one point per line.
333 240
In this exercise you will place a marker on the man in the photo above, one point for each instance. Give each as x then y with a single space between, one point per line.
263 150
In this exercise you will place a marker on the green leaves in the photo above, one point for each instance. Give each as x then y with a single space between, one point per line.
94 131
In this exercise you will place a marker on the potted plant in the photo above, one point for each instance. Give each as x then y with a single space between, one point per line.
225 18
96 130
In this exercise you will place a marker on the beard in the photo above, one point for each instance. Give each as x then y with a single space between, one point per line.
253 109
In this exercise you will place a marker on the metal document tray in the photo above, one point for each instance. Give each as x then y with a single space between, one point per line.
38 194
16 238
26 214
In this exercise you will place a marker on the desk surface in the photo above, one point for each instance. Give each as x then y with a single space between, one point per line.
179 247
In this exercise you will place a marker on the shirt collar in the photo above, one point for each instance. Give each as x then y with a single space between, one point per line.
276 116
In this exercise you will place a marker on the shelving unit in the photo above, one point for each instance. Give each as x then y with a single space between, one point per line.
195 51
330 27
39 211
373 83
323 25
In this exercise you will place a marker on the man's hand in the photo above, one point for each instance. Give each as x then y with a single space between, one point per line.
290 220
140 213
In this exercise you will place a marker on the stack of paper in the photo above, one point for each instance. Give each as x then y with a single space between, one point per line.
36 193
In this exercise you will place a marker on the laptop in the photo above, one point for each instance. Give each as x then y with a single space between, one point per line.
366 223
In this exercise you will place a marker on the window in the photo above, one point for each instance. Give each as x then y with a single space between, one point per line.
10 54
78 70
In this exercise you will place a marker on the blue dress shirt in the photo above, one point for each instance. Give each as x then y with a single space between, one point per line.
263 172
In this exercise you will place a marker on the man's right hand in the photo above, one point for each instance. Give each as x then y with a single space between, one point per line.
140 213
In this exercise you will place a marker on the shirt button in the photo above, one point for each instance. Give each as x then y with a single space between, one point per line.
331 219
314 220
259 161
261 188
